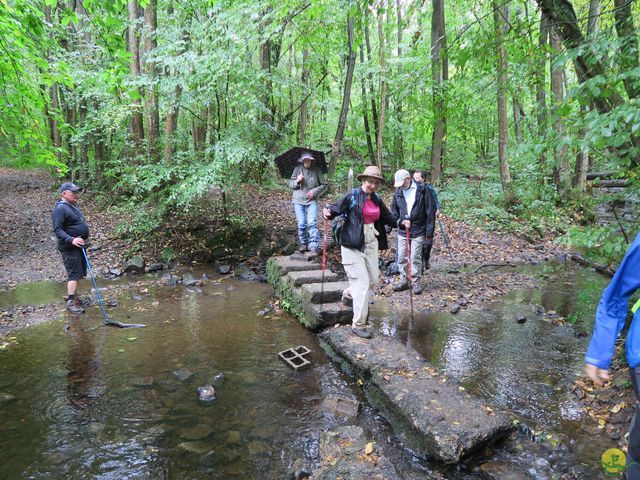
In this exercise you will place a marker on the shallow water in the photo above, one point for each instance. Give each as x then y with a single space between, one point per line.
525 368
110 403
79 400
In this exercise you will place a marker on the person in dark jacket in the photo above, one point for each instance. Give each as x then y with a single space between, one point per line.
412 201
363 235
72 230
420 177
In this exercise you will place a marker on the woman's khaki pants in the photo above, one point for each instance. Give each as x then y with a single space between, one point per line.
362 270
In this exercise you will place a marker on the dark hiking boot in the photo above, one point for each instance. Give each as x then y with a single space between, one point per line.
363 332
347 301
400 286
73 308
82 302
303 248
417 288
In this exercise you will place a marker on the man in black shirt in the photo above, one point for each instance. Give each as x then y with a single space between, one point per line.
72 231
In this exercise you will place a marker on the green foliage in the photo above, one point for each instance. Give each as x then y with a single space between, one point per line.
603 243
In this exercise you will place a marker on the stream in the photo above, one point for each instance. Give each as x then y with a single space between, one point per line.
79 400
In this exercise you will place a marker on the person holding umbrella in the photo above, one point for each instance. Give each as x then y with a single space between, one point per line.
363 235
308 184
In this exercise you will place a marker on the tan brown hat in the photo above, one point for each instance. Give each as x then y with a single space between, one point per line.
371 171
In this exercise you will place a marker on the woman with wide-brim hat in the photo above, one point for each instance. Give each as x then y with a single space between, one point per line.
363 236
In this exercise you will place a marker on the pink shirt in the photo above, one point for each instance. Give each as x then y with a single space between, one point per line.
370 211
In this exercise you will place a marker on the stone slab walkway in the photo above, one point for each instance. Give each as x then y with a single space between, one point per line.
430 412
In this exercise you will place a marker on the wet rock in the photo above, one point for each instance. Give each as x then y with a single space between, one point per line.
206 393
198 432
258 448
484 241
6 397
495 470
233 438
134 265
116 272
230 288
455 308
520 318
155 267
338 405
183 374
241 272
111 303
224 269
195 447
210 459
218 379
169 280
142 382
188 280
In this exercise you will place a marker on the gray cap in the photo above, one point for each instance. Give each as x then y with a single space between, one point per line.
304 156
72 187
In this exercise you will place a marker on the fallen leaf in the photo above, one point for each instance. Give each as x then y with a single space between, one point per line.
368 448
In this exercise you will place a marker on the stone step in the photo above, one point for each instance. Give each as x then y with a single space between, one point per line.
311 276
319 293
322 315
430 412
293 264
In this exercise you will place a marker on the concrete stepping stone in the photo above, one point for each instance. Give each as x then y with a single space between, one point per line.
319 293
311 276
322 315
288 264
429 412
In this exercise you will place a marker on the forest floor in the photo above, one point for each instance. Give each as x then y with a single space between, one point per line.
477 269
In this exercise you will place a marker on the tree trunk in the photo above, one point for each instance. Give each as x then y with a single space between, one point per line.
582 160
541 95
151 94
171 122
560 155
134 49
303 115
564 21
438 72
517 123
383 83
628 45
199 130
505 175
372 90
593 23
365 114
54 104
346 96
398 143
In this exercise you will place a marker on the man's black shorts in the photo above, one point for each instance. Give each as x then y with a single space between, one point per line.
74 263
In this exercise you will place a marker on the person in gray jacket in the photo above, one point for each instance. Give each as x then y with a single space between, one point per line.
308 185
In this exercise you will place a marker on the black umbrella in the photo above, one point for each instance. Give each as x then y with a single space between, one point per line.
289 159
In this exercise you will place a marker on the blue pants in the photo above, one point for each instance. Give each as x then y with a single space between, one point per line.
307 218
633 454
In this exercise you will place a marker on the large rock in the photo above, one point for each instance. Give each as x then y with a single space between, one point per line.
429 411
134 265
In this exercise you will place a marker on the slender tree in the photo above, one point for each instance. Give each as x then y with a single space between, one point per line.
383 83
346 95
137 128
499 20
438 74
152 114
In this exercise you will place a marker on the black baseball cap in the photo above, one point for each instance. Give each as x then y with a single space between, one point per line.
72 187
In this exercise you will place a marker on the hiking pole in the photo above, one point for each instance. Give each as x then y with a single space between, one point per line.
324 260
107 322
409 272
444 237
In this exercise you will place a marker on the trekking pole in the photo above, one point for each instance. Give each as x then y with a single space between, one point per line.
107 321
444 237
324 260
409 272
